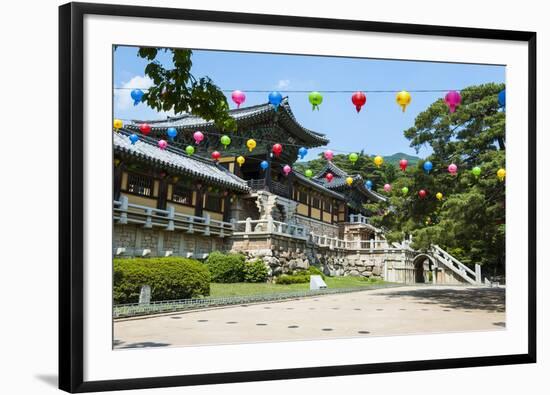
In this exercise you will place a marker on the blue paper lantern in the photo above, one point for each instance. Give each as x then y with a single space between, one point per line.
137 94
302 152
172 133
502 98
368 184
275 98
428 166
264 165
134 138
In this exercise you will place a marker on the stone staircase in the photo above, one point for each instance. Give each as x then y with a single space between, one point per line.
445 259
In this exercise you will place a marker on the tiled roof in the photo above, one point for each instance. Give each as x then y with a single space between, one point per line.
264 112
178 160
318 186
339 181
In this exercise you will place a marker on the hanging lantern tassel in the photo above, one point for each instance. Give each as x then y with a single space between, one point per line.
240 160
403 98
315 98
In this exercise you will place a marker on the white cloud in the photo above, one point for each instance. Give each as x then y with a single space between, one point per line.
124 103
283 84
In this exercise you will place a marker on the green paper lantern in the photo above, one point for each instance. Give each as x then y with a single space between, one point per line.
190 150
476 171
315 98
404 190
225 140
353 157
309 173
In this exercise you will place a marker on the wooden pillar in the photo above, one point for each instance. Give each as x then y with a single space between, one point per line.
117 180
163 193
309 204
226 207
199 200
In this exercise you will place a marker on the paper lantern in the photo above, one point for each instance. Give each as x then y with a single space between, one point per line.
403 163
238 97
453 99
439 196
302 152
277 149
428 166
453 169
353 157
275 99
134 138
145 128
329 177
358 99
240 160
329 155
502 98
251 144
387 188
162 144
368 184
117 124
309 173
172 133
501 174
216 155
264 164
198 137
225 140
422 194
476 171
404 191
287 169
403 98
190 150
315 98
349 181
137 95
378 160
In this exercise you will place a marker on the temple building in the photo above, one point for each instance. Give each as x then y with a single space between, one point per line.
167 202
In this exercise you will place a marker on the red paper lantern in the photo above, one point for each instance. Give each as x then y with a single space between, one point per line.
422 194
403 163
329 177
277 149
358 99
216 155
145 128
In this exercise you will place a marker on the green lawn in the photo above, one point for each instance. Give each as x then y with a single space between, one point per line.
238 289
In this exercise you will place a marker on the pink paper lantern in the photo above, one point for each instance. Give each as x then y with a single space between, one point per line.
387 188
453 169
162 144
329 154
453 99
238 97
198 136
287 169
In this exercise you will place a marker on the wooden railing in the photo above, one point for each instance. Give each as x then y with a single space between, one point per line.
278 188
128 213
358 219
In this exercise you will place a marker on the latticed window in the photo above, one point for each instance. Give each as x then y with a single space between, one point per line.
327 206
140 184
182 194
316 203
303 197
213 203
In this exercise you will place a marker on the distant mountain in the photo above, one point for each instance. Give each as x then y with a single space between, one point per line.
395 158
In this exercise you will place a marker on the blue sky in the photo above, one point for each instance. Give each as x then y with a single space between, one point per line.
377 129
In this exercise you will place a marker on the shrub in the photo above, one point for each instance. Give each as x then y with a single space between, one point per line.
226 268
255 272
169 278
299 277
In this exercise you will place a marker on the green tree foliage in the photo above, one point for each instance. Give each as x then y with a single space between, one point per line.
470 220
178 90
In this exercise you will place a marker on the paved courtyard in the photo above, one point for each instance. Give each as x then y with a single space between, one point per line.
382 312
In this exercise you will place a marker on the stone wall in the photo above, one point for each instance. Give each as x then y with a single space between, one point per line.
318 227
134 239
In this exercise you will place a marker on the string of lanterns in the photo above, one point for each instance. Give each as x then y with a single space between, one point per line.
452 98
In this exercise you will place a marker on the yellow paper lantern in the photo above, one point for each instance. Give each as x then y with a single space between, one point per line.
439 195
501 173
240 160
349 181
378 160
117 124
403 98
251 144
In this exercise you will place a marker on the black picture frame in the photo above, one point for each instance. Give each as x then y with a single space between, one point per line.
71 205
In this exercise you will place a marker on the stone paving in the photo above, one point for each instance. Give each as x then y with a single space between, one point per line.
383 312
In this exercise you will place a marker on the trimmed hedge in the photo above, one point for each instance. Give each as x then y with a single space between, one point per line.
226 268
299 277
255 272
169 278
